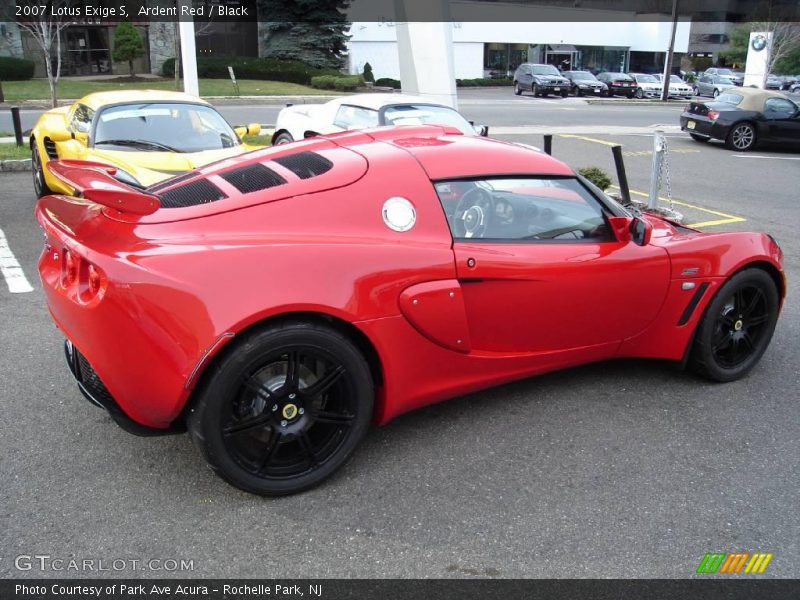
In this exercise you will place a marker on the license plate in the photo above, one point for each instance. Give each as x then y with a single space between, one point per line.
596 91
556 89
690 124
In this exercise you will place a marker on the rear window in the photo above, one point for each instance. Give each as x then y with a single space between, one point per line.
729 98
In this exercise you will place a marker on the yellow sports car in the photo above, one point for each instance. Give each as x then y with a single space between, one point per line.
147 135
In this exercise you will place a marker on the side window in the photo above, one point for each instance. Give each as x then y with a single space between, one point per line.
81 120
778 108
355 117
523 209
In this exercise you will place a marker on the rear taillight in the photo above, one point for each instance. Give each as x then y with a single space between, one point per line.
70 268
713 115
81 279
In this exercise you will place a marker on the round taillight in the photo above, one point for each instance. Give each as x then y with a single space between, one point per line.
70 268
94 280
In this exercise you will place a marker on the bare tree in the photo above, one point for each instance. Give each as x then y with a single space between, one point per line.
45 28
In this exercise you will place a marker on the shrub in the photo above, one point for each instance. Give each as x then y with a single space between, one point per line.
15 69
388 82
128 44
484 82
266 69
597 176
368 76
341 83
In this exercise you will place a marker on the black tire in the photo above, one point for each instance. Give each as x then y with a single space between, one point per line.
716 92
284 137
699 138
741 137
696 91
639 93
283 409
517 89
736 327
564 93
535 90
629 95
577 91
40 186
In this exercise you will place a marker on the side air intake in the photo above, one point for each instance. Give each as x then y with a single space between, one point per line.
252 178
305 164
193 193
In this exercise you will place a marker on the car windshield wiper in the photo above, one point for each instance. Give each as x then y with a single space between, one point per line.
140 144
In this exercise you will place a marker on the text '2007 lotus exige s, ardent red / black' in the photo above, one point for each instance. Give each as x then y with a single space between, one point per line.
277 302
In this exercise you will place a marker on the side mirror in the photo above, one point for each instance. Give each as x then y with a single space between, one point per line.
82 137
62 135
640 231
481 130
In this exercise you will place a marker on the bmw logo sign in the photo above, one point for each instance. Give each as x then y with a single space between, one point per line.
759 43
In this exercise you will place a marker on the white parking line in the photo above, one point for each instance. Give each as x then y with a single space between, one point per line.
11 269
770 157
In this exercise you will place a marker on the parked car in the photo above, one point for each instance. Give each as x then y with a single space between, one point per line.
678 88
277 303
787 81
711 85
774 82
795 87
147 135
360 111
736 77
540 80
583 82
647 86
743 117
618 84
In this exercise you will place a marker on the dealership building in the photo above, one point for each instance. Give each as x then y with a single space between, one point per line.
496 49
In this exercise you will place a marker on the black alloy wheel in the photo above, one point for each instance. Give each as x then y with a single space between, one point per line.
283 409
736 327
40 186
742 137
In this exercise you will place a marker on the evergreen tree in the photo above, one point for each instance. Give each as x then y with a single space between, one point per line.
311 31
128 44
368 75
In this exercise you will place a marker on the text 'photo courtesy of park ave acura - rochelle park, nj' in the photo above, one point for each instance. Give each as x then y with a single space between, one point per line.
355 299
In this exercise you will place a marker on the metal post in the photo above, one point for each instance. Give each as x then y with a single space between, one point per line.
622 177
655 170
548 143
17 124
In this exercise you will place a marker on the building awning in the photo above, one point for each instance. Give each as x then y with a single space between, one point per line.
561 48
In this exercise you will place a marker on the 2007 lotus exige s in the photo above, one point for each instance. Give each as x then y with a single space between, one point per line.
277 302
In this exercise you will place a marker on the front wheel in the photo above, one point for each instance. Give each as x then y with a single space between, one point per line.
517 89
736 327
696 91
40 186
283 138
742 137
716 92
283 409
535 90
564 93
639 93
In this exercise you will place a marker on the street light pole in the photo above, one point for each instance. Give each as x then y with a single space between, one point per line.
668 61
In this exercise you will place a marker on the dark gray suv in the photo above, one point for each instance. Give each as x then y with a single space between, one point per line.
540 80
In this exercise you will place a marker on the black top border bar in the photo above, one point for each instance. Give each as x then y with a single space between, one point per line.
390 11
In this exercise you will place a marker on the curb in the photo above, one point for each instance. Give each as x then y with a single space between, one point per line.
12 166
631 101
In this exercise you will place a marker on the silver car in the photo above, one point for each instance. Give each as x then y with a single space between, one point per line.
711 85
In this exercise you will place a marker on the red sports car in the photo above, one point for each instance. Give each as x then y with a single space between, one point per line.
277 302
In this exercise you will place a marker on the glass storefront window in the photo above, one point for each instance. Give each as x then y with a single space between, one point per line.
503 59
598 59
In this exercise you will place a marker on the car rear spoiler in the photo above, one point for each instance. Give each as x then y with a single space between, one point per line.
94 181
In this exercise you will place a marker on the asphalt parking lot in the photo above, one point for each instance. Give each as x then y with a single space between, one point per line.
620 469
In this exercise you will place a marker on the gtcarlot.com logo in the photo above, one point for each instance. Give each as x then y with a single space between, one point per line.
46 562
734 562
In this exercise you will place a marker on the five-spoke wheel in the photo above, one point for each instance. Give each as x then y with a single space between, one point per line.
737 326
285 407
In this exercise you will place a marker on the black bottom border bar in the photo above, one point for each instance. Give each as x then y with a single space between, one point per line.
398 589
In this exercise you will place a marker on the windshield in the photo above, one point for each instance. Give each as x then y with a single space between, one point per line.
583 76
171 127
545 70
646 79
726 72
423 114
675 79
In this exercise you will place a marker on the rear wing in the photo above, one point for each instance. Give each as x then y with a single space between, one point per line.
94 181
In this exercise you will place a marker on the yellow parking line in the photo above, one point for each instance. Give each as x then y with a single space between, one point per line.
587 139
726 220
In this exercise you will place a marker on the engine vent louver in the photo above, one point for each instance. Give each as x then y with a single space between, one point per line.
197 192
50 148
252 178
305 164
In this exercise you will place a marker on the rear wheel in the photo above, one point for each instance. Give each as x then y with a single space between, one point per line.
742 137
283 409
283 138
736 327
39 183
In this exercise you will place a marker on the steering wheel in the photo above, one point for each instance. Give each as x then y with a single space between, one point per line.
474 212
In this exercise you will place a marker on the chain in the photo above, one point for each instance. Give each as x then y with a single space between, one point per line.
665 173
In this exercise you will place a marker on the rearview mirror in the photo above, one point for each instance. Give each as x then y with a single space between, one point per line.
641 231
481 130
61 135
